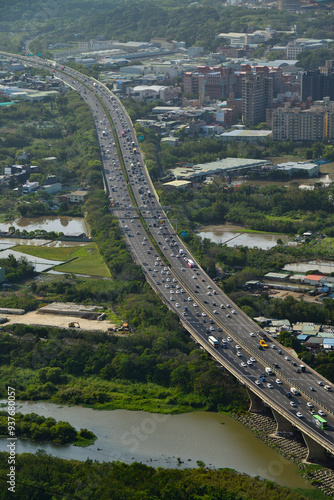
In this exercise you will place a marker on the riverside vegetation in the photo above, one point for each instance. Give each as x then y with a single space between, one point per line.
43 476
39 428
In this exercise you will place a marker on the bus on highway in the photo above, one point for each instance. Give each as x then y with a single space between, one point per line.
190 263
213 341
320 422
263 343
123 133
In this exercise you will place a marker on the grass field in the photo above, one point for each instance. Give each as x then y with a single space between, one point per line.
83 259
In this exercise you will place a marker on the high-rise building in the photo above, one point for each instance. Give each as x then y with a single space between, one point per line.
316 85
213 82
257 91
291 5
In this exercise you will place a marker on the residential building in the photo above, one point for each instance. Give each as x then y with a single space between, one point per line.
78 196
214 82
316 85
290 5
296 124
256 96
28 187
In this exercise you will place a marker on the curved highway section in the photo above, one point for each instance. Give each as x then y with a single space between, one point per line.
203 308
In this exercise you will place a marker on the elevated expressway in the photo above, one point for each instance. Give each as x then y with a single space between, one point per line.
156 247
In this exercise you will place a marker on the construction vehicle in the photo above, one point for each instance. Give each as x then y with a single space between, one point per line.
73 324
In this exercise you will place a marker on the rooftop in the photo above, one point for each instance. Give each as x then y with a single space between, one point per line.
177 184
216 167
246 133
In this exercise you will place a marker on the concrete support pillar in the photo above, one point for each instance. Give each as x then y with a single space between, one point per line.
256 403
315 452
284 427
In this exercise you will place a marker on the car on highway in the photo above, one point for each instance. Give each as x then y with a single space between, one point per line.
293 404
322 413
310 405
312 389
229 339
299 415
184 313
177 304
258 382
249 363
239 354
270 386
243 364
253 360
252 334
278 381
203 314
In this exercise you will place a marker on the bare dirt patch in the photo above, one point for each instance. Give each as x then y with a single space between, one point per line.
282 294
35 318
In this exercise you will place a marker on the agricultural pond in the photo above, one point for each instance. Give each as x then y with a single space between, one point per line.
231 236
49 223
159 440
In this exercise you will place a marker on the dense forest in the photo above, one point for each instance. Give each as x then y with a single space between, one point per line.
272 208
196 24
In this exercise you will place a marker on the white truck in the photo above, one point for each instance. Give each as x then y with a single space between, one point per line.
268 370
294 391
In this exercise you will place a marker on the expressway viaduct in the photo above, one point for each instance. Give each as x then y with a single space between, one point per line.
188 291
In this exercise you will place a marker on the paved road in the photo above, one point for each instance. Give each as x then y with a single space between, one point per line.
202 306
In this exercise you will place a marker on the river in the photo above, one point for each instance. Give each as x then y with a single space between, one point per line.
158 440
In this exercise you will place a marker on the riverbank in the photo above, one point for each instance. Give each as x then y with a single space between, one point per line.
264 427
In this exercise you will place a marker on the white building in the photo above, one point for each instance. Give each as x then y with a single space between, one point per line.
162 92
